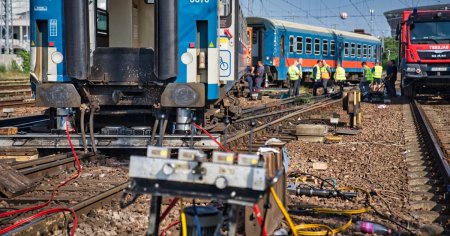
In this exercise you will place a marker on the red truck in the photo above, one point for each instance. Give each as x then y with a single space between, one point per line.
424 51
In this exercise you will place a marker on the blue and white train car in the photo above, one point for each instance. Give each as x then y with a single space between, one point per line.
278 43
136 55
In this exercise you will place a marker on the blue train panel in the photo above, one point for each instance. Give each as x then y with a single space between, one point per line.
279 43
47 37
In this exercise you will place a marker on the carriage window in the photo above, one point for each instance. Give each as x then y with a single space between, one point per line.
346 50
332 48
225 7
353 52
308 46
369 54
300 45
291 44
375 49
317 46
102 21
282 45
359 50
325 47
365 50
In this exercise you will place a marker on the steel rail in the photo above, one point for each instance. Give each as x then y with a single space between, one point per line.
309 108
435 146
24 121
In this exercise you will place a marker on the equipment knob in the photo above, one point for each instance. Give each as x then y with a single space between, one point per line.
168 169
221 182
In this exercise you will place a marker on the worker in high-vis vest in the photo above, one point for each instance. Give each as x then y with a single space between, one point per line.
339 77
295 75
317 77
366 80
377 76
325 72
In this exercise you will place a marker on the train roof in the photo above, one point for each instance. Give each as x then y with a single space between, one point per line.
293 25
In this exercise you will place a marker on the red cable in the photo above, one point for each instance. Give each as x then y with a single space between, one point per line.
168 209
212 138
257 213
42 214
163 233
54 192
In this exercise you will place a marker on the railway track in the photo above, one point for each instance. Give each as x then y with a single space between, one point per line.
25 122
15 92
427 157
268 119
87 195
95 187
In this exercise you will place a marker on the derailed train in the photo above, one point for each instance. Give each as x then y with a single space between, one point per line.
132 60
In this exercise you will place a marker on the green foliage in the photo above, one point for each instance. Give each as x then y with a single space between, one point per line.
25 56
2 68
390 50
15 67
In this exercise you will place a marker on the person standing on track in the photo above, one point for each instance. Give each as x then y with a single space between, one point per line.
377 75
259 76
295 76
366 80
325 72
391 77
249 72
339 77
316 76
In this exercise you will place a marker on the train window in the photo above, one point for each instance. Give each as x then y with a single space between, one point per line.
308 45
346 50
353 52
282 46
375 52
332 48
317 46
102 21
369 54
359 50
365 50
300 45
291 44
325 47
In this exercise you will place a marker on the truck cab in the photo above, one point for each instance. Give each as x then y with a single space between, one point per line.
425 51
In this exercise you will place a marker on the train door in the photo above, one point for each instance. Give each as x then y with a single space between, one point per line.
282 53
257 44
340 50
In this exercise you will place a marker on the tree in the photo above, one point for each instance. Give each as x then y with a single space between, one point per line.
390 50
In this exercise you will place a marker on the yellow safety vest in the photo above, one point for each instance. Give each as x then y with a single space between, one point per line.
377 74
324 72
368 73
293 74
340 74
318 72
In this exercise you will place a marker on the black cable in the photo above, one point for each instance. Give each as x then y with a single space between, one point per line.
389 219
326 181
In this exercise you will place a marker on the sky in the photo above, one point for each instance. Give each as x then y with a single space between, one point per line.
325 13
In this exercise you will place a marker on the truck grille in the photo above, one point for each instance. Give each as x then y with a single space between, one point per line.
433 55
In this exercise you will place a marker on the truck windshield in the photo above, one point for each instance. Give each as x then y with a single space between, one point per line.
437 31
